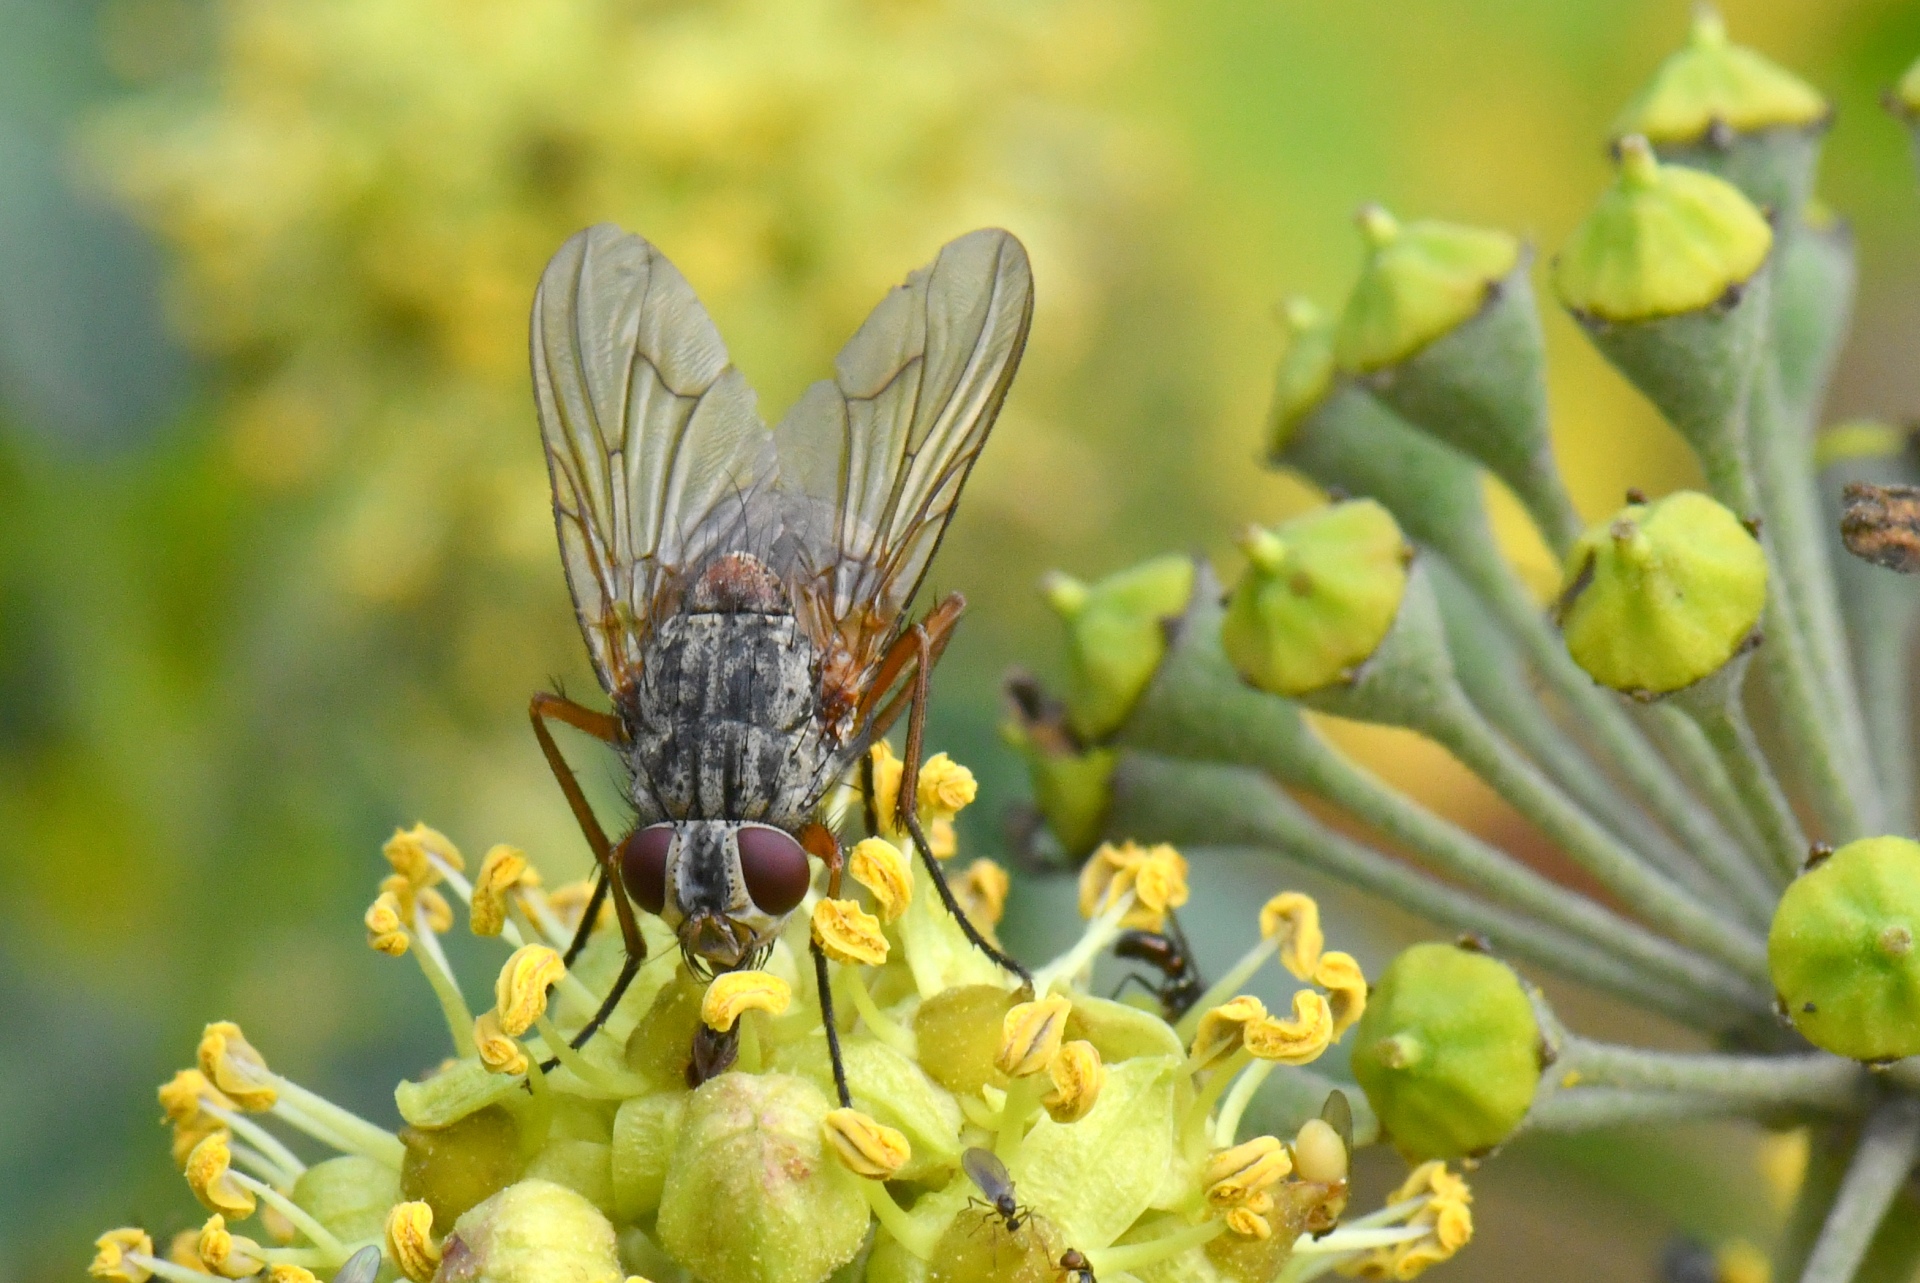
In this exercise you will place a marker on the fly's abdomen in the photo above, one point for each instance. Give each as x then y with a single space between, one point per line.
724 720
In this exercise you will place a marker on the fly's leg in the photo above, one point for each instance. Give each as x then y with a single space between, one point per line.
1135 978
587 919
826 1016
908 806
818 840
603 727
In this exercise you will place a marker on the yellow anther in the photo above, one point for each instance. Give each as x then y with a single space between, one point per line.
1159 886
408 851
181 1095
943 839
184 1249
281 1230
499 1053
1445 1215
410 1245
209 1173
945 787
982 892
502 870
867 1148
520 991
1223 1029
1430 1177
878 865
569 900
1030 1036
232 1065
1078 1075
847 933
1234 1175
436 910
1248 1223
735 992
386 929
290 1274
111 1253
1297 1041
1108 875
230 1255
1295 919
1346 988
1319 1155
887 770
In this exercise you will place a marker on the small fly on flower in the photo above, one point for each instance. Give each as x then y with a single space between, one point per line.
1167 952
1076 1268
984 1168
745 591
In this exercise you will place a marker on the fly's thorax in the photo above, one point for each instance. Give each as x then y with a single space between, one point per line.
725 886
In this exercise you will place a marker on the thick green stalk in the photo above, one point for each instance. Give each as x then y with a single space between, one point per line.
1889 1146
1584 1109
1813 1080
1722 715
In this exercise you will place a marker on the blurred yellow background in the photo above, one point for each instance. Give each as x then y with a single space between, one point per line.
277 571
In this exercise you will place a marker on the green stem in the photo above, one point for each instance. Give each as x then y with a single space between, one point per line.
1889 1146
1886 673
1723 718
1813 1080
1125 1257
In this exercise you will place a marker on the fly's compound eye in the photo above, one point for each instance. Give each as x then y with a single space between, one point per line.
643 865
774 866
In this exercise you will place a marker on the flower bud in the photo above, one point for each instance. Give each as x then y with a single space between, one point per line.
1723 108
751 1146
1448 1052
531 1232
350 1195
1844 950
1317 598
1420 282
958 1033
1662 594
450 1169
1116 636
1305 373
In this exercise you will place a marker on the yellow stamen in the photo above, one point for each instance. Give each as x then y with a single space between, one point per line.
386 929
1298 1041
409 852
945 787
1232 1175
1223 1030
1346 988
232 1256
210 1176
982 892
1160 885
520 991
887 770
1298 917
111 1252
735 992
1030 1036
502 870
410 1245
231 1064
1078 1075
867 1148
1248 1223
290 1274
943 840
438 913
848 934
1107 875
498 1052
183 1250
878 865
569 900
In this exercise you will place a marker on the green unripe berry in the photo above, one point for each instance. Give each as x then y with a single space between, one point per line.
1842 950
1662 241
451 1169
1072 784
1305 374
531 1232
350 1195
1448 1052
958 1033
1318 595
1711 84
1662 594
1420 281
1116 637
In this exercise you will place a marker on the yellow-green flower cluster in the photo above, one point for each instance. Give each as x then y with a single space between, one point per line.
525 1159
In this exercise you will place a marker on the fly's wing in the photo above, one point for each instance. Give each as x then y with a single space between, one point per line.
984 1168
872 461
657 455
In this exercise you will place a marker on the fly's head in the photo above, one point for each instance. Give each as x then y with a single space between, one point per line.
724 886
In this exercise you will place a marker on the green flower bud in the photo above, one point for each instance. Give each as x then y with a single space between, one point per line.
958 1032
349 1195
1305 373
751 1196
1072 784
1662 594
1448 1052
662 1042
643 1138
452 1168
1318 595
1843 952
531 1232
1813 292
1420 282
1116 634
1726 109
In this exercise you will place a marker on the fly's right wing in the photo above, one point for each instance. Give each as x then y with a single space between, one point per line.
657 454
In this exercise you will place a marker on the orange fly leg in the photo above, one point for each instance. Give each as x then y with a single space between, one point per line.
938 625
817 839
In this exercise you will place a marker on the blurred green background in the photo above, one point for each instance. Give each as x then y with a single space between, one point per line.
276 568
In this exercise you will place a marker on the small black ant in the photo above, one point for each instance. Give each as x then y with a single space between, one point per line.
1168 953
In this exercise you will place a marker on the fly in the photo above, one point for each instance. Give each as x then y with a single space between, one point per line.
744 591
984 1168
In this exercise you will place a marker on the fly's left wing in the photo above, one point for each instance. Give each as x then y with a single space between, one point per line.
872 461
658 457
